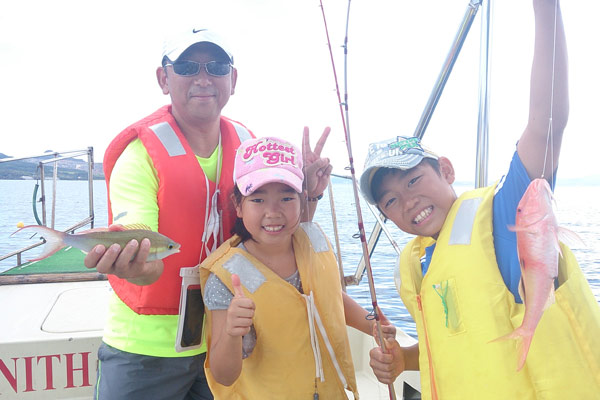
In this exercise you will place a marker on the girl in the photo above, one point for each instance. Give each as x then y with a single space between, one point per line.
276 310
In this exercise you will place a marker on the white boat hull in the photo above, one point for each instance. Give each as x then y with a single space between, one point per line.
50 333
49 338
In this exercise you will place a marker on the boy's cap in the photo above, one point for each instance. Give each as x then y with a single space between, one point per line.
266 160
176 44
400 152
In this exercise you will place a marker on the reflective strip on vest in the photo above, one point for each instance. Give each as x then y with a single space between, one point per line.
463 223
242 132
172 144
168 138
316 237
238 264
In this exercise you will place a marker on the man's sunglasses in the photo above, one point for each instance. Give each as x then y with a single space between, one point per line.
191 68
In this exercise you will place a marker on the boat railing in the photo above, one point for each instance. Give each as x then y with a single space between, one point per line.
379 227
53 159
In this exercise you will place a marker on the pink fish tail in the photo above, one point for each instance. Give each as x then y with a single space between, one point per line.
516 334
523 350
523 343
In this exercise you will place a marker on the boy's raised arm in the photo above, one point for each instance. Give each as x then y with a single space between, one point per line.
550 58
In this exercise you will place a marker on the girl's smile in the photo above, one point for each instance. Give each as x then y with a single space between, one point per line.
271 214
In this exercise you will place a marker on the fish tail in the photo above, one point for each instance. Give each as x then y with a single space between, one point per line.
523 343
513 335
54 240
523 350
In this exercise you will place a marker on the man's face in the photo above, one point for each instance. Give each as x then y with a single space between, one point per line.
201 97
419 200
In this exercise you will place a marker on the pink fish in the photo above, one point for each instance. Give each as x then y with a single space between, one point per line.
538 249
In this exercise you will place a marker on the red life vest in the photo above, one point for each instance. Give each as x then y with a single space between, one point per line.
181 201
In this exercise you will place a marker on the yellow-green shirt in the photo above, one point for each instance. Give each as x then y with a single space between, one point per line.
133 196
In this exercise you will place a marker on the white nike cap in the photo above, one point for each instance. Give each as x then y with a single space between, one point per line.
175 45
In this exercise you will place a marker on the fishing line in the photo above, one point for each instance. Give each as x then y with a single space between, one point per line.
344 105
550 135
336 235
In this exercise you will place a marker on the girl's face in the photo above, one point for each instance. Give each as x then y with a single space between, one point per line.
271 214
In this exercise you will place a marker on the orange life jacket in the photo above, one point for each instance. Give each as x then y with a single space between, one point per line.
181 201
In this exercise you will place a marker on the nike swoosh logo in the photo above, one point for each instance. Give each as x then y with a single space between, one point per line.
197 30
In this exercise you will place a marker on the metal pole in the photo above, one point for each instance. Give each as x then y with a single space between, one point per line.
54 179
481 169
463 30
91 184
42 178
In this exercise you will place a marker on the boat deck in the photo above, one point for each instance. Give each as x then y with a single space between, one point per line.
66 265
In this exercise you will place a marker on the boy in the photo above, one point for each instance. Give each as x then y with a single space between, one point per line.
460 275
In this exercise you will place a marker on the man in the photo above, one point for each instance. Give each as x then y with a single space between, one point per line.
171 171
460 275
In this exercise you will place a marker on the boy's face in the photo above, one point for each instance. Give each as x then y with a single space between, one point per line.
419 200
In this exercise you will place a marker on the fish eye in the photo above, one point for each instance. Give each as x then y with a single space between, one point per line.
518 210
170 246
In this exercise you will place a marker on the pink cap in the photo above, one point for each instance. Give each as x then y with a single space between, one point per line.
265 160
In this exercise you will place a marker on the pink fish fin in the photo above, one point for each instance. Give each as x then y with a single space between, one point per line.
143 227
557 244
54 240
521 289
551 299
569 237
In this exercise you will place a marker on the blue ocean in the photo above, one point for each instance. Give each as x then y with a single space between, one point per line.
577 210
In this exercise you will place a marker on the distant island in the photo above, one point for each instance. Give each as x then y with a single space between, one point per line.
76 169
68 169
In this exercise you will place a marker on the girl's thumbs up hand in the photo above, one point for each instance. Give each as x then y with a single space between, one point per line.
240 311
237 286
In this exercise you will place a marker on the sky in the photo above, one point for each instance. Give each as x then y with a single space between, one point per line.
76 73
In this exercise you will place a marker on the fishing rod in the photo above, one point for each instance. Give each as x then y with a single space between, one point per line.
344 106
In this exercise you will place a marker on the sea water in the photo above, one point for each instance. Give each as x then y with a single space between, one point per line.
577 210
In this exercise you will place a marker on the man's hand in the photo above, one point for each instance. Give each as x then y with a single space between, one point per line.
125 263
317 170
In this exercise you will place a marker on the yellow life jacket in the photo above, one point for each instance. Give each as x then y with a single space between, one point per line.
462 303
282 364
